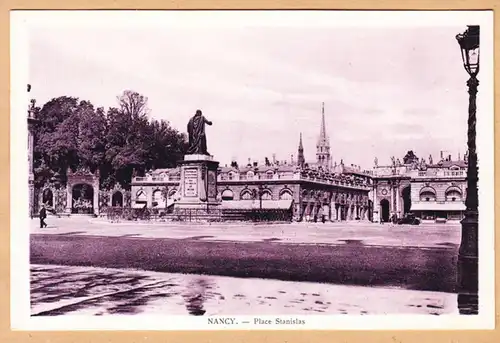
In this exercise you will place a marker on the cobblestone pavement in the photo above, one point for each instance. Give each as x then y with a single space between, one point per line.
425 235
66 290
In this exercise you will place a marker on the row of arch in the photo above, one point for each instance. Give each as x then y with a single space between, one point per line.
453 193
247 194
158 198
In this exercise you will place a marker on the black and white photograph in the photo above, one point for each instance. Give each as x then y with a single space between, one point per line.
266 170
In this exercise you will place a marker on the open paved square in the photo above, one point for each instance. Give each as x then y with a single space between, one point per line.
425 235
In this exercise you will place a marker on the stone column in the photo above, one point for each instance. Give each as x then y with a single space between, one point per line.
96 198
69 197
308 209
398 201
149 196
391 204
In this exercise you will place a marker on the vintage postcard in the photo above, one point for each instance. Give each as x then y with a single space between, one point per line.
262 170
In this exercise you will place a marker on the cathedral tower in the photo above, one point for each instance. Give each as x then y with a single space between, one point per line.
323 147
300 157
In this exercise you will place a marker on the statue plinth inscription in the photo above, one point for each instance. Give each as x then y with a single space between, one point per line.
190 182
198 184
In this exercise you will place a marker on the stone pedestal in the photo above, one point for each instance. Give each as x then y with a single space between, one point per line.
198 184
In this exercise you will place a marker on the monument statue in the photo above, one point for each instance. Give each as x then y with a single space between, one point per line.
196 134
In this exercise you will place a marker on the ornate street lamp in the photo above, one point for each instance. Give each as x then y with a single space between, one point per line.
468 252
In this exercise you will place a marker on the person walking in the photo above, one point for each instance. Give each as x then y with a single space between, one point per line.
43 215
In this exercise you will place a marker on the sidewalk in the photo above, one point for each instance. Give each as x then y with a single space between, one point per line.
66 290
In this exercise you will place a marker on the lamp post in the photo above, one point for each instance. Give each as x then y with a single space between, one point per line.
468 253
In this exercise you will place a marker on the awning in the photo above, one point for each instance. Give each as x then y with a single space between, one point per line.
434 206
138 205
255 204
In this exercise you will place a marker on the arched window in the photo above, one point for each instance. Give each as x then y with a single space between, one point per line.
453 194
246 195
48 197
250 175
230 175
158 200
267 195
286 194
269 174
227 194
141 195
427 196
117 199
172 193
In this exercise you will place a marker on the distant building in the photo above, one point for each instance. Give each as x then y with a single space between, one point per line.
313 190
431 191
321 189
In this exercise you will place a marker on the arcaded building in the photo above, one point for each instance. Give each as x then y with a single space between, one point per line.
312 190
433 191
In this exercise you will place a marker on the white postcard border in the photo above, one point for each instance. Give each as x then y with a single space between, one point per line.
20 289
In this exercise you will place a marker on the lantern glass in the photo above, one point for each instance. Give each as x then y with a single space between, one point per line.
473 64
469 45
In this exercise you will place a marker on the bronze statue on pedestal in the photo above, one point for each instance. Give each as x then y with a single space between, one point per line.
196 134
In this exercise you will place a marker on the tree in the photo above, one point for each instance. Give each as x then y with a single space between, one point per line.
91 135
133 104
74 133
54 138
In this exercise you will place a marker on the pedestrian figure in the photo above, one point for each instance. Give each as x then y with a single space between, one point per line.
43 215
323 219
315 218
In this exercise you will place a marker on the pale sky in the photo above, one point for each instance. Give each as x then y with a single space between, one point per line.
386 90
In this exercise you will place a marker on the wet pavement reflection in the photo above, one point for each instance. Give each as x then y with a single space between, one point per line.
67 290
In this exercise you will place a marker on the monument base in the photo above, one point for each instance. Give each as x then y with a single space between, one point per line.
198 187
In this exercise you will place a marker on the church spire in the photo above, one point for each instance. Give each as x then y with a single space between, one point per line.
323 146
322 133
300 156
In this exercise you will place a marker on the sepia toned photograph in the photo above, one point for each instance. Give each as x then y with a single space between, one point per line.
188 170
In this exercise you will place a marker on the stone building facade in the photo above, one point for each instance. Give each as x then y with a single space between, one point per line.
431 191
314 190
313 193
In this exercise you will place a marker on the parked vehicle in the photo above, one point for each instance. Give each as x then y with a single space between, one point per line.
409 219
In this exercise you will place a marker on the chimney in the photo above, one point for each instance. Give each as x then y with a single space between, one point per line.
449 157
442 157
274 158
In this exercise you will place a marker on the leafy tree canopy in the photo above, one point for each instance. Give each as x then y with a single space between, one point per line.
73 133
